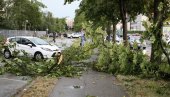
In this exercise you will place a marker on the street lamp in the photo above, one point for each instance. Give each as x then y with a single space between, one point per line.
47 32
26 21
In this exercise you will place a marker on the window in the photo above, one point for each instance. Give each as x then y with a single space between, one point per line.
25 41
15 40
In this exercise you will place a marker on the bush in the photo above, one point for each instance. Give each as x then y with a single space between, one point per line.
2 38
103 60
122 60
76 53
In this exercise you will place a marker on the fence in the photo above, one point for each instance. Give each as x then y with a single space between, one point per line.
10 33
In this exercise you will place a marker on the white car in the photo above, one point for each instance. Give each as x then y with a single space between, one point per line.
117 39
69 35
133 39
167 40
33 46
74 35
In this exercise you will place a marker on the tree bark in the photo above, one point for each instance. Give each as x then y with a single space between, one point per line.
164 51
156 48
108 31
114 33
123 13
54 36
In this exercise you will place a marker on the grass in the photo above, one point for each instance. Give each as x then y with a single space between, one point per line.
137 87
40 87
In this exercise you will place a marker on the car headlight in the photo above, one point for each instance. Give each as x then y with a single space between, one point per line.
46 49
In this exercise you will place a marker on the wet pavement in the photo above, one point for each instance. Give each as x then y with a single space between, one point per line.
90 84
10 84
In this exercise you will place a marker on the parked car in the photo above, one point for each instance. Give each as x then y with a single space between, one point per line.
69 35
118 39
33 46
64 34
166 39
51 35
74 35
136 39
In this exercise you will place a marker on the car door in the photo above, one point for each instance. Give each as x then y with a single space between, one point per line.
18 46
26 47
14 44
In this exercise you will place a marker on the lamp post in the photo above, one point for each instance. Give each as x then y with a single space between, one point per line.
47 32
26 21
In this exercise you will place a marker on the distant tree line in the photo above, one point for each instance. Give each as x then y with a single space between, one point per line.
28 15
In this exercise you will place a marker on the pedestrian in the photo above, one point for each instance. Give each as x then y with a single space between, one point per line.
83 38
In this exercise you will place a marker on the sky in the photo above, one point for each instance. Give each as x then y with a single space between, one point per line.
60 10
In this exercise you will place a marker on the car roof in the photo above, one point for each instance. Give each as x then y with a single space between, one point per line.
23 37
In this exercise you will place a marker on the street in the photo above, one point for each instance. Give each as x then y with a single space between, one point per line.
62 43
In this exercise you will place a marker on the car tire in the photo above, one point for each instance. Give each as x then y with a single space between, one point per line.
38 56
7 54
169 43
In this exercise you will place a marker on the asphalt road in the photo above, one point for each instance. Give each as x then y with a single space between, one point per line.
62 43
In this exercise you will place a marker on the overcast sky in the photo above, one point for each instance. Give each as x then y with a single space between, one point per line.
60 10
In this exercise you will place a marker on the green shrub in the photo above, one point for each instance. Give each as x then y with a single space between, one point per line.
103 60
121 59
75 53
114 66
2 38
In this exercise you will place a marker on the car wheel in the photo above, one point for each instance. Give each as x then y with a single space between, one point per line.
169 42
38 56
7 54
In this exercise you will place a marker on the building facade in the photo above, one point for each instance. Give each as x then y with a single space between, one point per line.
137 24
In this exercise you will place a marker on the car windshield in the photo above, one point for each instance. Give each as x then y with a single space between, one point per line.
39 41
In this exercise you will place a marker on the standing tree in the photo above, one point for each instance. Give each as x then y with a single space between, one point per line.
158 11
102 13
129 9
60 25
51 24
78 21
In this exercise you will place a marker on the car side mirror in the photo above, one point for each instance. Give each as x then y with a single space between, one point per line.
30 45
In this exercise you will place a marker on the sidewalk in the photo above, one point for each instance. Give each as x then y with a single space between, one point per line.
91 84
10 85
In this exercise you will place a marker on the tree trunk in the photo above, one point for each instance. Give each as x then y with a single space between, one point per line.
108 31
114 33
123 18
158 49
156 52
54 36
